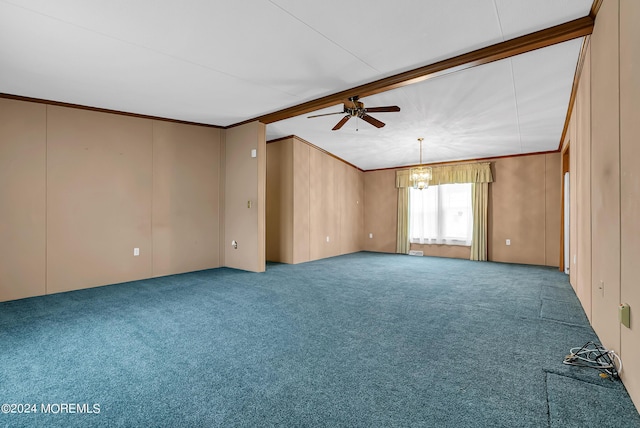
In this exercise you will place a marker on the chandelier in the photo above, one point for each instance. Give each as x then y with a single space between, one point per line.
420 175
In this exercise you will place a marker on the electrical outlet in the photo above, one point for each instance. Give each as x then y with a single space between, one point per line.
136 251
234 244
371 236
327 239
508 241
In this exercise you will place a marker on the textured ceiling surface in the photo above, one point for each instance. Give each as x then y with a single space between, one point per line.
513 106
220 63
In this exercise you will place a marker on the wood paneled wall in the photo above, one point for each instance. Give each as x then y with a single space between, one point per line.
244 196
630 191
581 150
603 137
279 203
605 165
380 211
99 191
81 189
315 204
23 194
302 203
186 198
524 206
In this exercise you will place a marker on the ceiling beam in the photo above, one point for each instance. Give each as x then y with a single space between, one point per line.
595 7
540 39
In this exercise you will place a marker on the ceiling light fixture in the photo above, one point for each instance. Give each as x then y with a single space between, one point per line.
420 175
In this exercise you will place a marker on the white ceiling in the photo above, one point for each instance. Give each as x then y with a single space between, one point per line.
517 105
223 62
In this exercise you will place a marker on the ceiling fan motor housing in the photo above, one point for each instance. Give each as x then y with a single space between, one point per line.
354 108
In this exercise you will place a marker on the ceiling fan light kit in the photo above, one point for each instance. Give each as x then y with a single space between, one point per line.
420 175
355 108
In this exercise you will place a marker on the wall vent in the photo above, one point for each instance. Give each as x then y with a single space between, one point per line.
416 253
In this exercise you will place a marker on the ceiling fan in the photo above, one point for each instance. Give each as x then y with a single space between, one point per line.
355 108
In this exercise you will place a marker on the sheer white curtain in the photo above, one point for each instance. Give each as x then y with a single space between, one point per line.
441 215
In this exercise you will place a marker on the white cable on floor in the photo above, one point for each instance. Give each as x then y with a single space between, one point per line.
595 356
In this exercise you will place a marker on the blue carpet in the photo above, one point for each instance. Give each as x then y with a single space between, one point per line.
583 397
363 340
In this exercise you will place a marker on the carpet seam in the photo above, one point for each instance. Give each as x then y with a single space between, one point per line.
546 393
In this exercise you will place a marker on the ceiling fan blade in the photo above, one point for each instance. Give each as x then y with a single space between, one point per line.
375 122
342 122
385 109
325 114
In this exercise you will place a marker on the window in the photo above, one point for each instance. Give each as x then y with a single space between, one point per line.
441 215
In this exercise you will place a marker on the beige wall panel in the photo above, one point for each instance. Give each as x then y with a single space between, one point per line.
222 247
450 251
279 202
346 205
301 197
352 217
360 231
380 211
318 212
324 200
245 181
583 186
333 174
553 201
347 200
99 177
324 206
22 199
335 200
262 194
630 191
186 167
517 210
573 198
605 175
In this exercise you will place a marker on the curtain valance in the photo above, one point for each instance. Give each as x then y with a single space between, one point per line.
465 173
